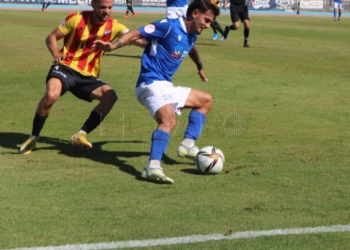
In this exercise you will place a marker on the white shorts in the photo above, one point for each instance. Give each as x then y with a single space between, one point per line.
159 93
176 12
337 6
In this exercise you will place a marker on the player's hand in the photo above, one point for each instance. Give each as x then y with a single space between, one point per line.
202 76
101 45
58 58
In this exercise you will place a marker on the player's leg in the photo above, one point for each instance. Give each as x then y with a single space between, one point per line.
246 32
106 97
213 26
47 4
127 11
132 10
200 102
339 11
235 21
43 6
165 117
335 10
162 109
53 92
218 27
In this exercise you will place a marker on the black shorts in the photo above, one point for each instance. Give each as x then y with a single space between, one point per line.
79 85
239 12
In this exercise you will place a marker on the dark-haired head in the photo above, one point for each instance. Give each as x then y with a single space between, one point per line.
203 6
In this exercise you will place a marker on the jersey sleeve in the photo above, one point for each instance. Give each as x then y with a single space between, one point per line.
68 24
118 30
156 30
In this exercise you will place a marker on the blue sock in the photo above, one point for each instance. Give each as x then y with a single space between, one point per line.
160 141
195 125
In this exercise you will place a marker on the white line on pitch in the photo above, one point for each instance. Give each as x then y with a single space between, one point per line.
194 238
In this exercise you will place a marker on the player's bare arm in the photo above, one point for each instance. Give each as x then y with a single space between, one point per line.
132 37
140 42
194 55
52 45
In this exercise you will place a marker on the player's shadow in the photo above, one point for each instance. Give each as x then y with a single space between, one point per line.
11 141
193 171
207 44
125 56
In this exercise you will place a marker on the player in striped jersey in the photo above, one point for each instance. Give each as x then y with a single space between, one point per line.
76 68
216 26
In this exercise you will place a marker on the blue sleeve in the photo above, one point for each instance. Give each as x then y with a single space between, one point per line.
156 30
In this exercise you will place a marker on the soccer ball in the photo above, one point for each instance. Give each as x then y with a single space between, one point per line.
210 160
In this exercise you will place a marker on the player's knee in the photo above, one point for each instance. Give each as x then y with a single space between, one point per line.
234 27
168 123
109 96
207 100
50 98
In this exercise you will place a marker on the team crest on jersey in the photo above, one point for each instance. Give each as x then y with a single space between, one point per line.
179 37
177 52
149 28
63 23
108 32
166 97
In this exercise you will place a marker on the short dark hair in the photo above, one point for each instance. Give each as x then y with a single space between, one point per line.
203 6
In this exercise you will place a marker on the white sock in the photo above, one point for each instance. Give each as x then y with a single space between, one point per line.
82 132
154 164
188 143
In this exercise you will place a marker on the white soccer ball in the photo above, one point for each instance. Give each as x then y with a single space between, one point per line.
210 160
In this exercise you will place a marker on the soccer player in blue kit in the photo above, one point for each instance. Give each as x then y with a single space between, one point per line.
176 8
169 42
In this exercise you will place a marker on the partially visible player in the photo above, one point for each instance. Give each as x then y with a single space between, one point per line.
169 42
338 4
216 26
76 68
176 8
46 4
239 12
129 8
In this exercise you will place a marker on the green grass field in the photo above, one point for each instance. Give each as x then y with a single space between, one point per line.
289 169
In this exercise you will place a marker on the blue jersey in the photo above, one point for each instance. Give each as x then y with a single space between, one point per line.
176 3
337 1
168 45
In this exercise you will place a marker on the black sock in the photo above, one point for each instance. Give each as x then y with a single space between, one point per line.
218 27
47 5
43 5
38 124
92 122
246 35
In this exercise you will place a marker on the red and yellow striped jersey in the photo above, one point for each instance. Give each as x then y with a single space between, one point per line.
80 31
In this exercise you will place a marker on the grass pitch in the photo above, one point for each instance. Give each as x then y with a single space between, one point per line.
280 115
